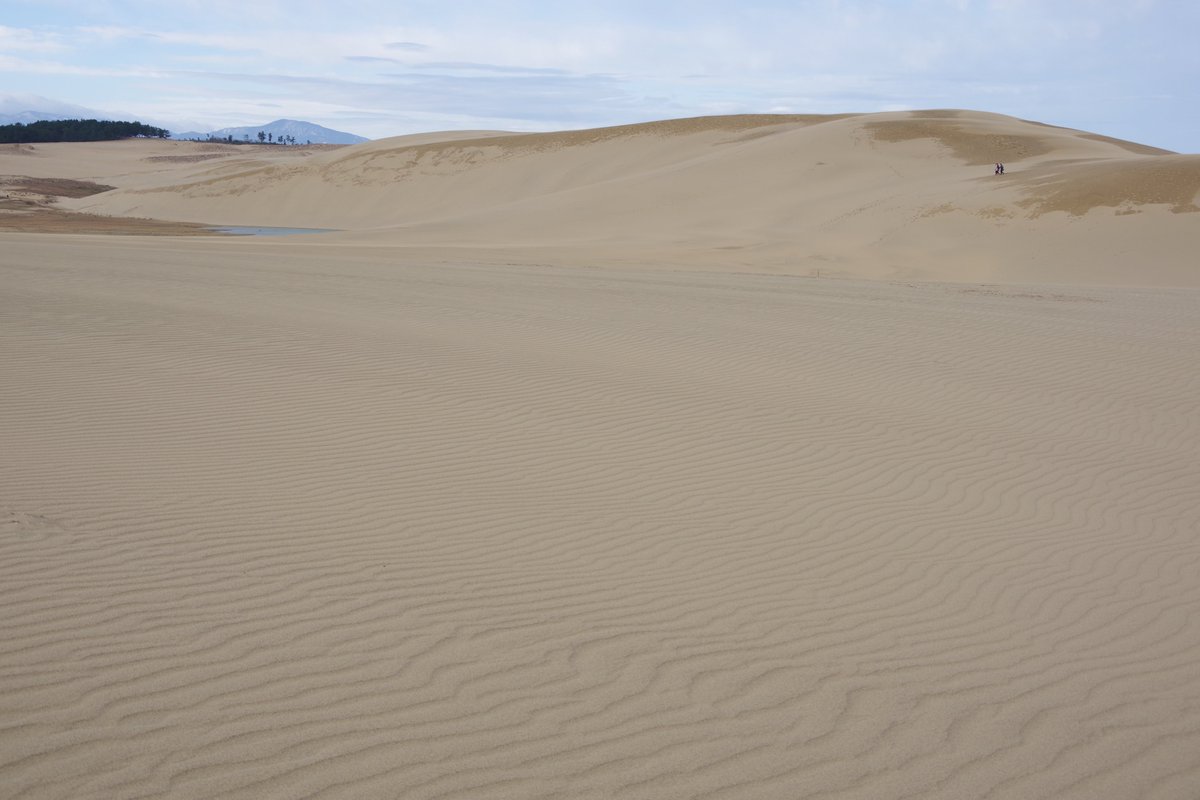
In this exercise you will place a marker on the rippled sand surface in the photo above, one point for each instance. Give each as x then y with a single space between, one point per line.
284 521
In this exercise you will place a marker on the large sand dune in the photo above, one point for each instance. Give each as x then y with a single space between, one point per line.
898 195
378 514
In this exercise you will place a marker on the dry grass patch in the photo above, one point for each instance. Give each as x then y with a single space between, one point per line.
27 206
1123 185
967 145
50 187
52 220
184 159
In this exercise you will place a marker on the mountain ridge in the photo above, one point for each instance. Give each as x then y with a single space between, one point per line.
302 131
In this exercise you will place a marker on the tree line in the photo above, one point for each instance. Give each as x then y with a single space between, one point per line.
263 138
281 139
77 130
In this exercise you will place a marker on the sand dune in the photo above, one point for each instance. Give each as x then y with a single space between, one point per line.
534 483
897 195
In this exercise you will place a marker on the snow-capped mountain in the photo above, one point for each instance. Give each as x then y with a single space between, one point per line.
280 130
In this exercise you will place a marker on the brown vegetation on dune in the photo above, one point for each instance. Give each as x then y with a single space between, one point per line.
27 206
50 187
51 220
1162 180
969 146
183 159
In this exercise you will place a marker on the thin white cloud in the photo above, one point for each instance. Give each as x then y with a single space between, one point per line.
26 40
45 67
17 103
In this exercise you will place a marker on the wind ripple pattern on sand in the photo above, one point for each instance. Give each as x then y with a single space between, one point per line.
312 526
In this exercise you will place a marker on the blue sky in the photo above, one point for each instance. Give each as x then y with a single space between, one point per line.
1128 69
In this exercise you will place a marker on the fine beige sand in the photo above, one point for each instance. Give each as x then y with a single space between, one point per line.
472 505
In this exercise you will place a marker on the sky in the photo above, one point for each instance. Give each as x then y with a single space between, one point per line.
380 68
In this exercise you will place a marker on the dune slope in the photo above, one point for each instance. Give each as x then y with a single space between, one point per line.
905 194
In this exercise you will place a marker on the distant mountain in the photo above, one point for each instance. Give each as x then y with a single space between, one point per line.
302 132
26 117
27 108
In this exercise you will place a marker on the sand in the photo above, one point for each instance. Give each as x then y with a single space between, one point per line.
353 515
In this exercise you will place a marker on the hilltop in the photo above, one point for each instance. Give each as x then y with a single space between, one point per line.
898 195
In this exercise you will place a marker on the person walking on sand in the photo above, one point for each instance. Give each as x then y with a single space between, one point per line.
1002 169
997 167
